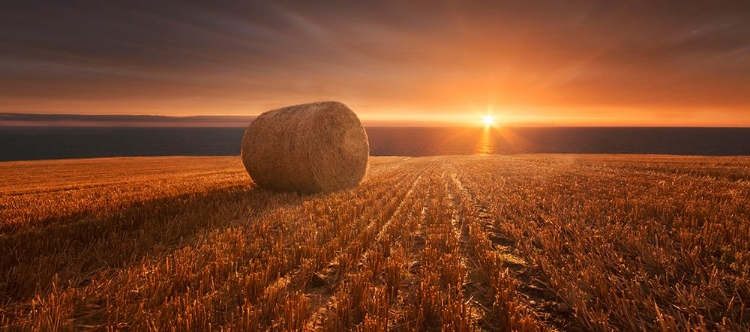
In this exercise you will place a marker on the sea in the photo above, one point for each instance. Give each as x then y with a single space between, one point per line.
35 143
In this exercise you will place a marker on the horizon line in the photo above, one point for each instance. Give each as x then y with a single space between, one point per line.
12 119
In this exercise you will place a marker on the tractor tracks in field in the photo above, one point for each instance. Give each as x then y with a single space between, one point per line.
328 297
314 280
471 293
534 292
413 242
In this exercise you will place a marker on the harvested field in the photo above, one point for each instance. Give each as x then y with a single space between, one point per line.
499 243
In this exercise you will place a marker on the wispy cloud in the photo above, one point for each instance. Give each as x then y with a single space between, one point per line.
653 60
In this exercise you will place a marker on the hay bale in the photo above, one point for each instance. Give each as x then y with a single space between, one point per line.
308 148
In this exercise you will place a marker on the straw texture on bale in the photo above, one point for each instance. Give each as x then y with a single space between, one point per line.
315 147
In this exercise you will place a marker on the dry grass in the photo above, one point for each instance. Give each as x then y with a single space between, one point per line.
454 243
42 193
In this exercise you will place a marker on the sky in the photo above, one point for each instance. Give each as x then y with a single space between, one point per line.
560 63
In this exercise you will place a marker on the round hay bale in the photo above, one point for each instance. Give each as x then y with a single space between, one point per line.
307 148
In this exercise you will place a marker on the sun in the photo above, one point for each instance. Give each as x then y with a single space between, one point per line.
488 120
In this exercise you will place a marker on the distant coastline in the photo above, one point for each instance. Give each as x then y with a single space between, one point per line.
158 121
233 121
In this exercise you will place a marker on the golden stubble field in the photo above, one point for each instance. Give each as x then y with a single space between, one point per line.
528 242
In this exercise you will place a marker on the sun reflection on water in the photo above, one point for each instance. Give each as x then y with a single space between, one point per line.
486 145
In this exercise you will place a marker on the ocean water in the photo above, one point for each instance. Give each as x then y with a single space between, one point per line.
33 143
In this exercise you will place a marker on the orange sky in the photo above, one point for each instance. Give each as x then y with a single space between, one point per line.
579 63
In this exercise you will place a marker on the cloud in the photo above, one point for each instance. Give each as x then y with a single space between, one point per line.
439 57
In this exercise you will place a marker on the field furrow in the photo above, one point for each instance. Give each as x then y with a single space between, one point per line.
500 277
346 303
592 241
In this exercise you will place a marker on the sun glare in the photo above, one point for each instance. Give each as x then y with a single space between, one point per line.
488 120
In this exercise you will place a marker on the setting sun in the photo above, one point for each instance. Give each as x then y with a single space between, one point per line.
488 120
